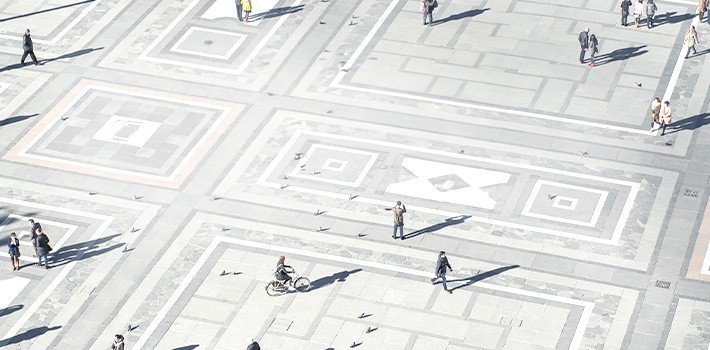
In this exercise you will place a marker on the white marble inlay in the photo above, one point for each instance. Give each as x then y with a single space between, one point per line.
128 131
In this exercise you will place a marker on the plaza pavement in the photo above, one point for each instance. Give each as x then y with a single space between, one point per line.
172 154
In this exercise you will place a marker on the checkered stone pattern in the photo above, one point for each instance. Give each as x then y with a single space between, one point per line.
607 213
690 328
127 132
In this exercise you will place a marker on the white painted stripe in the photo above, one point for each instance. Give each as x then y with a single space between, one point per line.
678 66
61 34
160 316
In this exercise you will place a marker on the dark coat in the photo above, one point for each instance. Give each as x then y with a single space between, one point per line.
625 6
43 247
584 39
441 264
27 43
13 248
254 346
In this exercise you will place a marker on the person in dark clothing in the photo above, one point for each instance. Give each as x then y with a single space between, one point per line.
253 345
117 342
28 48
441 264
283 270
43 248
428 7
13 246
34 227
625 6
650 12
239 9
593 43
583 43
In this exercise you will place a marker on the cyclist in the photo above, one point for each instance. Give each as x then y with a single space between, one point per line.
283 270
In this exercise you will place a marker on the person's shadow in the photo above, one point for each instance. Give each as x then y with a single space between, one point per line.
690 123
447 222
670 18
619 55
336 277
15 119
10 309
27 335
276 12
462 15
45 61
481 276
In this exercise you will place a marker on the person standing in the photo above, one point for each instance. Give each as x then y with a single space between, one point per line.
34 227
691 39
655 112
238 3
593 43
43 248
428 7
442 262
650 12
625 6
246 5
28 48
638 11
13 246
583 43
117 342
253 345
398 215
665 116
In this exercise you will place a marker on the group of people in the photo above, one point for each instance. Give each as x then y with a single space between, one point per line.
40 243
660 114
640 8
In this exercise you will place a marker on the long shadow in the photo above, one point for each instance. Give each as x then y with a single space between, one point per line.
690 123
671 17
481 276
81 251
15 119
10 309
336 277
462 15
68 55
700 53
27 335
9 220
447 222
47 10
188 347
276 12
620 55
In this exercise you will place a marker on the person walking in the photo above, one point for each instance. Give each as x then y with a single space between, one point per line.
43 248
638 11
593 47
253 345
691 39
117 342
28 48
655 112
246 5
398 215
702 8
238 3
34 227
442 262
665 116
428 7
625 6
583 43
650 13
13 246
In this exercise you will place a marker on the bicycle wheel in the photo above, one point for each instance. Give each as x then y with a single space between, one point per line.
272 289
302 284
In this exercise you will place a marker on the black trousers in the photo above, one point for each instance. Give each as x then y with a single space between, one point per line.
581 55
31 53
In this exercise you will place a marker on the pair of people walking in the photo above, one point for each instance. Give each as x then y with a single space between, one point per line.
588 43
40 242
245 7
427 9
661 114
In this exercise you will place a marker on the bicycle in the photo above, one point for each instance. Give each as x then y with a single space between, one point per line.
299 283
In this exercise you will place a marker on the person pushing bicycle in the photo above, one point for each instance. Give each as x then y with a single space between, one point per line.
283 270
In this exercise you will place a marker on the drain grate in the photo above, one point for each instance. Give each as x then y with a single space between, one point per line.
663 284
692 193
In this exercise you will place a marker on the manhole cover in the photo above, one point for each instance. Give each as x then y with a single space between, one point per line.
691 193
663 284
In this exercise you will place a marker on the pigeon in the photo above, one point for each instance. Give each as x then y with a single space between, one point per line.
637 84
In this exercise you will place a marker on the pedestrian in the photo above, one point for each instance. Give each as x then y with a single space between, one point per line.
625 6
638 11
246 5
43 248
440 271
691 39
34 227
398 214
117 342
253 345
428 7
583 43
665 116
28 48
593 43
238 3
702 8
13 246
655 112
650 12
